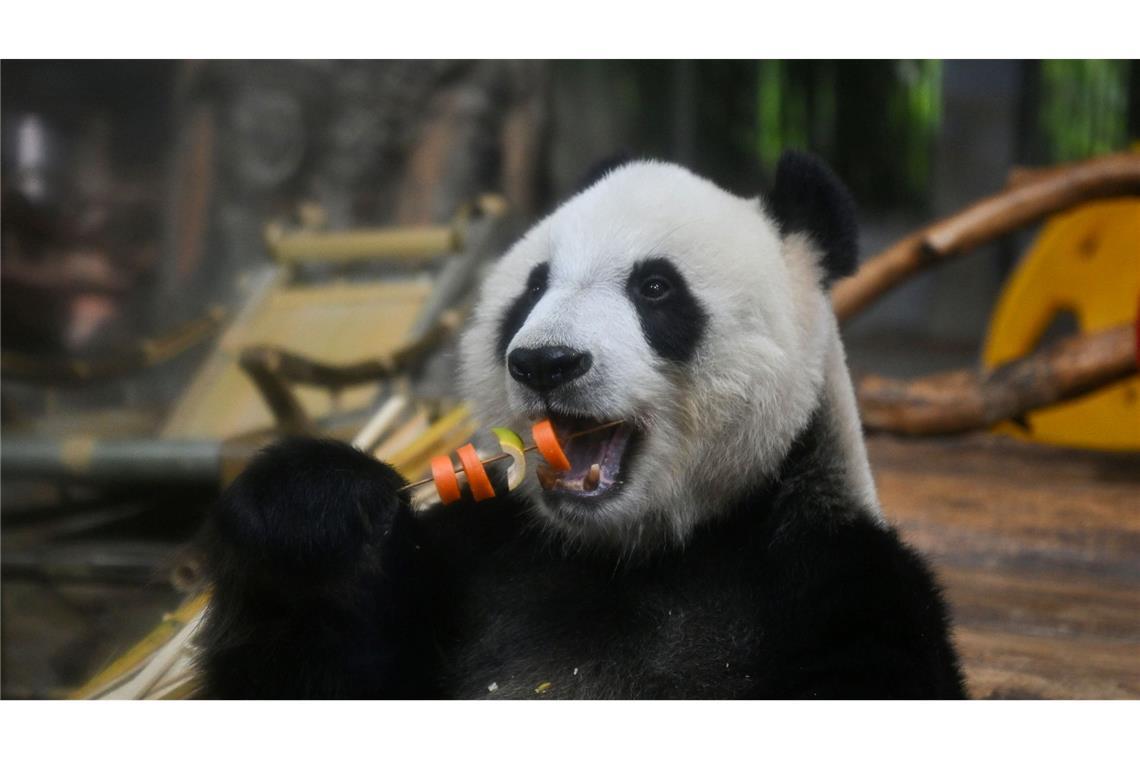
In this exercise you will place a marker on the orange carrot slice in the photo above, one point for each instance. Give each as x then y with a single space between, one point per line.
446 482
481 487
548 445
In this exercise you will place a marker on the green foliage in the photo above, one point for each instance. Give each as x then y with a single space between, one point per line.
1084 107
875 121
918 105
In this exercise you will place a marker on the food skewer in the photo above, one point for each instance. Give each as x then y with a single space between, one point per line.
505 456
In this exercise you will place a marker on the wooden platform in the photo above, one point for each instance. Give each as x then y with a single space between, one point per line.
1039 552
1038 549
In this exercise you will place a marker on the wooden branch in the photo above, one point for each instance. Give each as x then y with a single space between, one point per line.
262 366
1020 176
300 370
273 370
956 402
1033 197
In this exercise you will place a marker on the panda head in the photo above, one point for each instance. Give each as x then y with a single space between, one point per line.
697 318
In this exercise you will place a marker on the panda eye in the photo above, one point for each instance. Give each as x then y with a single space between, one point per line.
655 288
536 283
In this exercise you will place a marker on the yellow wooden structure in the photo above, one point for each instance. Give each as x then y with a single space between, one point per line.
1087 262
335 322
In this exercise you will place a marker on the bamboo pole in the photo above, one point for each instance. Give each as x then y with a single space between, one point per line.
409 244
380 423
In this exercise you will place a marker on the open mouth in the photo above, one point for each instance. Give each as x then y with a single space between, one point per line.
596 457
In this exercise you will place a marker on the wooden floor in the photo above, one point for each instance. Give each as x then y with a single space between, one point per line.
1039 552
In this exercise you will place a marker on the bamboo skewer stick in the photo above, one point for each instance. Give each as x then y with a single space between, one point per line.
369 435
158 665
501 457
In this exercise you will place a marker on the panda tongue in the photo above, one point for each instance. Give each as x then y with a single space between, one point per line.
595 458
585 452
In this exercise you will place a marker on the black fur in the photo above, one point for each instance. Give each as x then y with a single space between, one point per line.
795 593
302 551
807 197
515 315
673 324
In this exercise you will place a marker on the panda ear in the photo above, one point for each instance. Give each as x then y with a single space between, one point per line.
808 198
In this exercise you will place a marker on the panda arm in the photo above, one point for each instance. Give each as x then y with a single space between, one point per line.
865 619
316 586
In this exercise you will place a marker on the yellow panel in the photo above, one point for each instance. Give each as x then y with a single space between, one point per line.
337 323
1086 261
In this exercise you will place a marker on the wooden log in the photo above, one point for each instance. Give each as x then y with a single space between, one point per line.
408 244
1032 197
955 402
1020 176
879 274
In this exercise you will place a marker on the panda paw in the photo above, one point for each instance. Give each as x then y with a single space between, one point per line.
305 509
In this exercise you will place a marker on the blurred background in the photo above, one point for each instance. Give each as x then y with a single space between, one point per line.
161 219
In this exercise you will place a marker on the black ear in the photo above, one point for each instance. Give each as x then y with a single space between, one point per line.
809 198
601 168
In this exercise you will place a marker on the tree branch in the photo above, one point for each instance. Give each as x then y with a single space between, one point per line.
955 402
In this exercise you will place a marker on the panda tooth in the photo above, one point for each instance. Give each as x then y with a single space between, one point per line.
590 482
546 478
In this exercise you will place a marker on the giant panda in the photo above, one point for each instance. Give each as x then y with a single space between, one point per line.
730 543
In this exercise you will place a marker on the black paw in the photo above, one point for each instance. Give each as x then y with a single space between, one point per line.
306 508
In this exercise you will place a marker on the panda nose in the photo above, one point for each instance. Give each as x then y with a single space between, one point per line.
547 367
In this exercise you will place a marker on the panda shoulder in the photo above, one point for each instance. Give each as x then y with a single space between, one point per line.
857 569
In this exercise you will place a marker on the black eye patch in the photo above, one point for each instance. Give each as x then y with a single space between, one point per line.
671 317
515 316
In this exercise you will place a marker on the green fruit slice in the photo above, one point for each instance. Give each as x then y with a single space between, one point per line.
510 443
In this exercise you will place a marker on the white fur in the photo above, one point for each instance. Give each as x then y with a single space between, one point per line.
711 428
839 393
